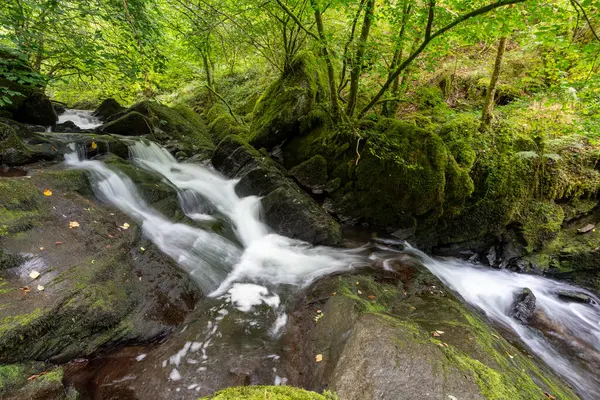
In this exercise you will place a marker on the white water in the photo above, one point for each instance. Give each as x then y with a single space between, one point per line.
260 257
576 324
82 118
248 271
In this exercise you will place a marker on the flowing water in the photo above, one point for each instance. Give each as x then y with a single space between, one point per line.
256 267
82 118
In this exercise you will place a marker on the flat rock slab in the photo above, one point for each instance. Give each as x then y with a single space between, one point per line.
102 284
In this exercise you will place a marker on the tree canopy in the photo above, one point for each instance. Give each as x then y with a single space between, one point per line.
133 49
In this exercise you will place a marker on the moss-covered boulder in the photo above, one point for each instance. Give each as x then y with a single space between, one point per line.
179 129
99 285
395 175
131 124
12 149
311 174
36 110
221 123
288 210
279 112
108 108
22 87
401 334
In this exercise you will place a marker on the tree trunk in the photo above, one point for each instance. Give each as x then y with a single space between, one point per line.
488 106
389 108
335 108
357 63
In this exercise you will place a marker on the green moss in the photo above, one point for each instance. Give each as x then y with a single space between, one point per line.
279 112
312 173
181 124
21 205
541 223
12 376
268 392
429 97
19 321
401 172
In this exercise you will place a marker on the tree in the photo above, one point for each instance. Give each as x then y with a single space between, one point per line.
488 105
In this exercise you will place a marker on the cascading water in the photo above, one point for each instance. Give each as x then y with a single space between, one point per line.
82 118
255 266
219 265
570 342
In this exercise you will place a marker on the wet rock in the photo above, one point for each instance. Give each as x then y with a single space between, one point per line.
67 127
577 297
59 108
311 174
37 110
376 340
178 129
35 128
19 146
130 124
492 256
586 229
523 307
288 210
108 108
101 289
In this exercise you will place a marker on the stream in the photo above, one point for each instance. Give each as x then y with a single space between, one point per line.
250 273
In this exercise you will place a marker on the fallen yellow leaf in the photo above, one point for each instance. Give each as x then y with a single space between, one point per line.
94 145
319 357
34 274
124 226
40 288
41 249
73 224
47 192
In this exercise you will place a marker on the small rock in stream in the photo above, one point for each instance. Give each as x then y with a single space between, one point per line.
523 306
576 297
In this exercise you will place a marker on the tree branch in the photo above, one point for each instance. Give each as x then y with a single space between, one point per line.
296 20
426 41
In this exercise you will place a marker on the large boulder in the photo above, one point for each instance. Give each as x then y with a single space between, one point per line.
98 286
401 334
179 129
288 210
130 124
281 110
26 99
108 108
19 146
37 109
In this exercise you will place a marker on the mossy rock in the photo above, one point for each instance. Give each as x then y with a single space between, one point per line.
14 376
403 172
312 173
279 112
21 206
267 392
288 209
131 124
12 149
374 332
181 128
108 108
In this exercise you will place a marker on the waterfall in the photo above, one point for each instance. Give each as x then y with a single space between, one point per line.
251 268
